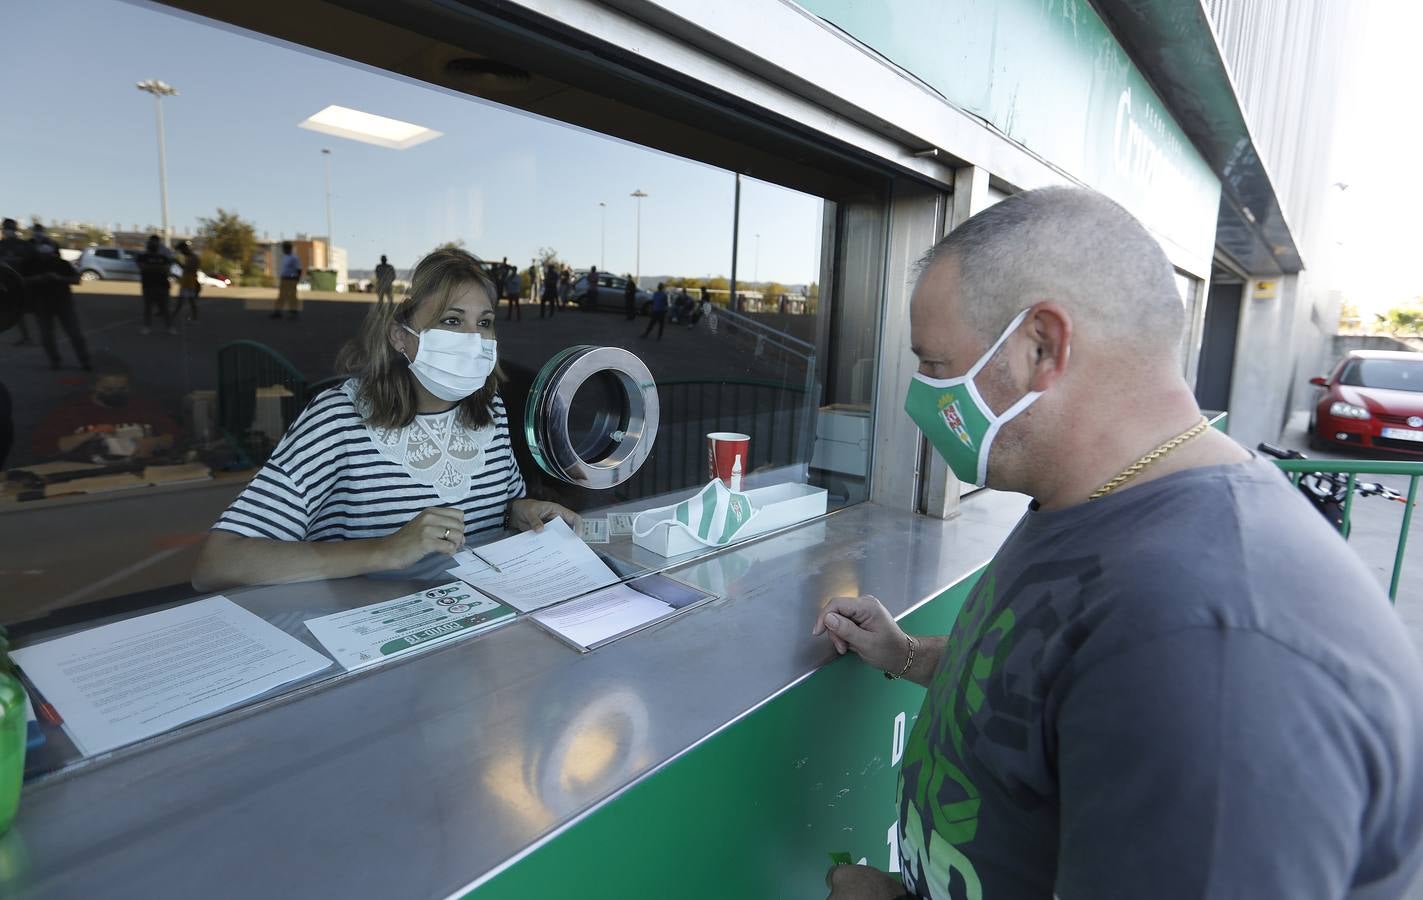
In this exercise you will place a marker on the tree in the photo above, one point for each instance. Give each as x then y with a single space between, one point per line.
549 255
718 284
1405 318
456 244
94 234
232 238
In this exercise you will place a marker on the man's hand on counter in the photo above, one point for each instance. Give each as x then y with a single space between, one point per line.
530 515
436 530
862 883
863 625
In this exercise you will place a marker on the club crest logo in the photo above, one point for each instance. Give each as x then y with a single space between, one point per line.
954 419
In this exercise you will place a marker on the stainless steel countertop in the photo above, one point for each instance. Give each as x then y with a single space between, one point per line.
449 764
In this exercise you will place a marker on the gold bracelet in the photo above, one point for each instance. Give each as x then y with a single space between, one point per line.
908 662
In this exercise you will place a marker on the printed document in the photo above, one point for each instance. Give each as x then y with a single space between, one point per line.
602 616
124 682
534 569
360 637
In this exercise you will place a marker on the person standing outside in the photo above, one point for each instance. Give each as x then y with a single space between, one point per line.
501 285
15 252
48 286
683 304
630 298
385 281
590 296
548 296
703 308
512 287
188 287
1174 679
659 311
288 274
155 268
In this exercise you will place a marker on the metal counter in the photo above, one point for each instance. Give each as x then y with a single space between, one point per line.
426 776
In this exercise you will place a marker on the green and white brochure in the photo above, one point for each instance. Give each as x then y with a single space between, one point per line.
381 631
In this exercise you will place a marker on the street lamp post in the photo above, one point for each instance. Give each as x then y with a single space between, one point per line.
603 238
159 90
637 255
330 238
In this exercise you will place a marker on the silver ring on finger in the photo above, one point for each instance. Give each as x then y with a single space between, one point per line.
447 535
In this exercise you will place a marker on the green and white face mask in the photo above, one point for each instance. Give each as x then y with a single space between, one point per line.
713 517
952 415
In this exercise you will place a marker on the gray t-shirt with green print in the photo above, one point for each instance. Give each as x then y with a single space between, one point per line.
1191 688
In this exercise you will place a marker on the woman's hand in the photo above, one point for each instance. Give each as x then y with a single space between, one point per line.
436 530
530 515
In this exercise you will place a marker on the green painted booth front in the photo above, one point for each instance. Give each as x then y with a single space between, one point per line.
755 809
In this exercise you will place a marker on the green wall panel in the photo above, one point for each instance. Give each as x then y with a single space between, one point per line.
754 811
1050 75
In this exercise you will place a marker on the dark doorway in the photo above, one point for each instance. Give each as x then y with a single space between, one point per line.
1218 345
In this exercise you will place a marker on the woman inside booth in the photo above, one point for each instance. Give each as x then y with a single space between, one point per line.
409 456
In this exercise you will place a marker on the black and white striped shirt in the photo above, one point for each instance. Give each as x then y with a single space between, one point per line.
333 477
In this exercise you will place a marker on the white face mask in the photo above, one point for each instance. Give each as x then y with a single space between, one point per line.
452 364
713 517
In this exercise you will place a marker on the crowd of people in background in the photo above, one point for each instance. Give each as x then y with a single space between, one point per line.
556 285
41 281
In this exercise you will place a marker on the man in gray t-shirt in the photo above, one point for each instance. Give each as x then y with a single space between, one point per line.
1174 679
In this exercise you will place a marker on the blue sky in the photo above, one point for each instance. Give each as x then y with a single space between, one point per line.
81 145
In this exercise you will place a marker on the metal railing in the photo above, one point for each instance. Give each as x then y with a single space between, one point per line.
1413 471
765 336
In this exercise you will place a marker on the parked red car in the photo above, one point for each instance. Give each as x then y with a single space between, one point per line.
1374 399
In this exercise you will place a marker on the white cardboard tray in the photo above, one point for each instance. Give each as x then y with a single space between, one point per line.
780 506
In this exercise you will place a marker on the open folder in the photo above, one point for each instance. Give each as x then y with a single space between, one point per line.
537 570
534 569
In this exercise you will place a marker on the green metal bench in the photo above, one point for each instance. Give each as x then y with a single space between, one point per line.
1413 471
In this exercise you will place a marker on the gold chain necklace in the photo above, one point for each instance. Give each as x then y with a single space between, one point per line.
1136 468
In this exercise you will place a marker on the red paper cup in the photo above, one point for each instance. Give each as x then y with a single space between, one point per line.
723 450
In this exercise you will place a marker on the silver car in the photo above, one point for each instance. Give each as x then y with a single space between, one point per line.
112 263
118 264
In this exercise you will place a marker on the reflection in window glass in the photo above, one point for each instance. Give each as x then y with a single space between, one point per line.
178 329
1189 289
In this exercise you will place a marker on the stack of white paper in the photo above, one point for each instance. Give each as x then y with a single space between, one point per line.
124 682
535 569
602 616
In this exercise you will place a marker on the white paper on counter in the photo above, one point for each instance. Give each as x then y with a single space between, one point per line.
124 682
605 614
360 637
536 568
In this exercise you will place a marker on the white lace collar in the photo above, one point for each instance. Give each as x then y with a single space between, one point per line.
435 450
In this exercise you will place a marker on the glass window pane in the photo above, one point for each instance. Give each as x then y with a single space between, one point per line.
164 392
